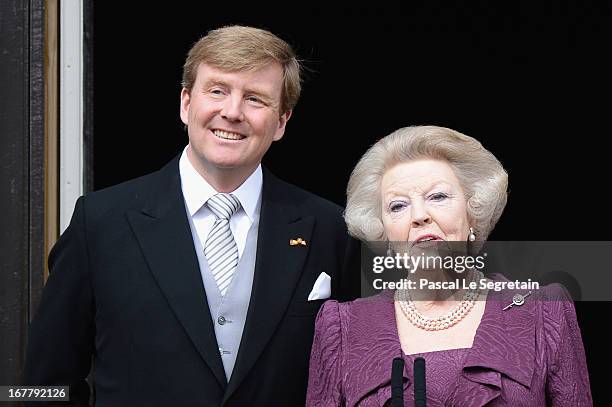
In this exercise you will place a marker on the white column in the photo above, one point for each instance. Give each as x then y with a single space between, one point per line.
71 108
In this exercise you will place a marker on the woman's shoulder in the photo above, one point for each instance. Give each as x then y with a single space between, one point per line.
550 306
559 317
360 310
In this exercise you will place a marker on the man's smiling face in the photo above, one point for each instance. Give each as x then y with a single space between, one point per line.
233 117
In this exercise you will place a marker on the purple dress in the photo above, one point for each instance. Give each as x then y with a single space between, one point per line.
528 355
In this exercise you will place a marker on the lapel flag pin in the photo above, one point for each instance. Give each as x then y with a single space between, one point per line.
298 241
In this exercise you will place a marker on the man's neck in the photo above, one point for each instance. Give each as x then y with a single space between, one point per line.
221 179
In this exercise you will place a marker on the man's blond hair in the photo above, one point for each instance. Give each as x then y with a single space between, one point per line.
239 48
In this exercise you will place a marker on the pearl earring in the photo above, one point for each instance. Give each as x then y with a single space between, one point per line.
472 236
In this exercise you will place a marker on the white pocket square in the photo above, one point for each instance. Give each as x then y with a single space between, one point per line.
321 289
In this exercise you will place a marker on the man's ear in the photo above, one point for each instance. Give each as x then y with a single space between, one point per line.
185 101
282 123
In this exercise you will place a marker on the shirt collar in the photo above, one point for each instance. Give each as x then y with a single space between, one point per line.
196 190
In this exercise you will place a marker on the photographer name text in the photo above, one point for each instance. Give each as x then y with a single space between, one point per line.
482 284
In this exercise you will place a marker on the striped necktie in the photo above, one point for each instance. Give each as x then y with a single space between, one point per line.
220 248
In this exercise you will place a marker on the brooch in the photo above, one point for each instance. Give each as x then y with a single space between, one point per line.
517 300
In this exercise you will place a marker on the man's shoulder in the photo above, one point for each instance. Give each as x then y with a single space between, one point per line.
133 193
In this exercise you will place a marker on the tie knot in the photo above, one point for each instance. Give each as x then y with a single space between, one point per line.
223 206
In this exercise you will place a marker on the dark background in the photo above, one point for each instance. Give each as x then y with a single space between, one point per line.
532 84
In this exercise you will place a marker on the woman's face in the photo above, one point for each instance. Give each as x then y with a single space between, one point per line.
423 200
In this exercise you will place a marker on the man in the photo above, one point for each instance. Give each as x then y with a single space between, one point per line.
198 285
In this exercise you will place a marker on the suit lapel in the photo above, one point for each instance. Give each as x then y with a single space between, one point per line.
278 268
163 232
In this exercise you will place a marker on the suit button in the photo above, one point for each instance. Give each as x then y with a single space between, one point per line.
221 320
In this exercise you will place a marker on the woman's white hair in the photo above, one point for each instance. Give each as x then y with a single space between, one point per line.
481 175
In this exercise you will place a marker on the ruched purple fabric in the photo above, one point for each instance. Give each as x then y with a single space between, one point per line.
528 355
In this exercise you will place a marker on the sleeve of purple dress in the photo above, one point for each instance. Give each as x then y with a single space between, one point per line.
324 380
568 379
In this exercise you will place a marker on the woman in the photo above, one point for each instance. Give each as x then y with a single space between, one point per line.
430 183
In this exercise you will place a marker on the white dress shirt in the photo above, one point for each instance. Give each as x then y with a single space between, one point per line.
197 191
229 311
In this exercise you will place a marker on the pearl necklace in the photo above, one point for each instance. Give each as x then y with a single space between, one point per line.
443 321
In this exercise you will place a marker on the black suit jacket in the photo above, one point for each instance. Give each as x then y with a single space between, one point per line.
125 289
